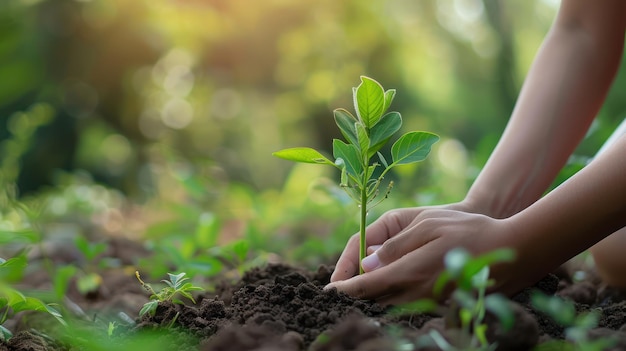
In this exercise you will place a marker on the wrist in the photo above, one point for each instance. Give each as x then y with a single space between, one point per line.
492 204
479 205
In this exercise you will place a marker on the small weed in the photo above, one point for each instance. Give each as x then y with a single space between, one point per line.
577 326
176 285
13 301
470 276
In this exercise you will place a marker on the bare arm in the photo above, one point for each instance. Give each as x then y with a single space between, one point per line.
563 92
582 211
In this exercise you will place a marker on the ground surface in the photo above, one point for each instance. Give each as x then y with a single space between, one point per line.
279 307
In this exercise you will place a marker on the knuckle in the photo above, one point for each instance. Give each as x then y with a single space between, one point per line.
389 251
393 220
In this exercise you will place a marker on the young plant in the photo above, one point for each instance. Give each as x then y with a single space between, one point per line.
577 326
470 277
13 301
359 158
174 286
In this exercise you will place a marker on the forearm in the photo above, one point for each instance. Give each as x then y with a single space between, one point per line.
582 211
563 92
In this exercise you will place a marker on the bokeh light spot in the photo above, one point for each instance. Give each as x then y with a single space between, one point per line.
452 156
117 151
177 113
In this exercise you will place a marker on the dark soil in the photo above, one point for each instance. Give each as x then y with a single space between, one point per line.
279 307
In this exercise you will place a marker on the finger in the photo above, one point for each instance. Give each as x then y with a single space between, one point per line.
411 239
389 224
377 233
372 249
366 286
348 263
414 284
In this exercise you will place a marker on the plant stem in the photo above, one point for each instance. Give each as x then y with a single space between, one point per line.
362 240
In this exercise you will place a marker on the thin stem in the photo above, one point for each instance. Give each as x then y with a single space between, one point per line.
362 240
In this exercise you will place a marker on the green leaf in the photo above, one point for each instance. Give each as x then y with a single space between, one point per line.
465 299
500 306
13 267
207 230
382 159
350 156
176 279
389 95
303 154
345 121
88 249
29 304
480 280
89 283
441 282
419 306
10 297
344 177
17 236
364 141
383 130
190 287
455 261
61 280
412 147
477 264
241 249
562 311
149 307
186 294
369 101
5 334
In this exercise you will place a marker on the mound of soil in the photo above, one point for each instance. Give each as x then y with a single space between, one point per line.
284 308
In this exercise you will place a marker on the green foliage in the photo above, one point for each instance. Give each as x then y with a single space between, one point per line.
577 325
176 285
366 134
470 277
13 301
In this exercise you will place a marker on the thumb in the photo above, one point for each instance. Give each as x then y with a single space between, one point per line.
372 261
385 254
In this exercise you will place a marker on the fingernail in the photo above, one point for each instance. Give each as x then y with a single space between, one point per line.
329 286
370 262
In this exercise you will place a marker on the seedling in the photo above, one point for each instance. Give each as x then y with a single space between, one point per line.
175 286
13 301
470 276
359 157
577 326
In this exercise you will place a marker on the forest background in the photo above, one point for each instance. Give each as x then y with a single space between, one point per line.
157 119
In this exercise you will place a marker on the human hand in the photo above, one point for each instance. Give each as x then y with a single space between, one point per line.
414 242
390 224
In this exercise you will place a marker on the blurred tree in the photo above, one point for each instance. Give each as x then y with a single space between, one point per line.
225 83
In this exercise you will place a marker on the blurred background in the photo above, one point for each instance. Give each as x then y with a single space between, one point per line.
176 105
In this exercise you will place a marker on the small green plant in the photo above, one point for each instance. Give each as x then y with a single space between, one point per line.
577 326
359 158
470 277
13 301
175 286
